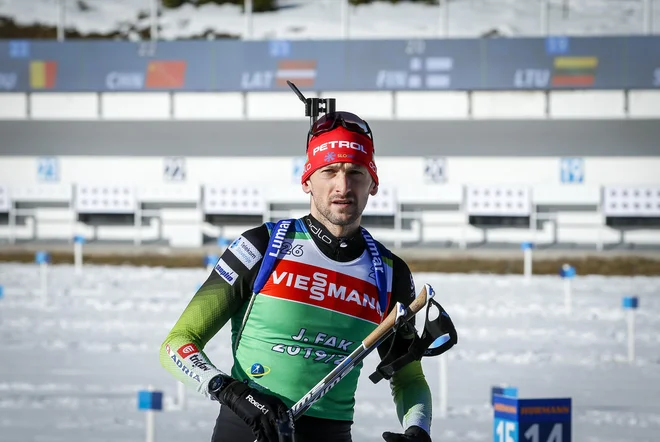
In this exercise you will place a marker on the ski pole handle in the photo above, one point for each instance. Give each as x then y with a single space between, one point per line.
388 323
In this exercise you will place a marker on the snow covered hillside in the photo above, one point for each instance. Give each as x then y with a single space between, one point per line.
321 19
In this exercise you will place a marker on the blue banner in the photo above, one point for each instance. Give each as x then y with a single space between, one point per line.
641 63
142 66
434 64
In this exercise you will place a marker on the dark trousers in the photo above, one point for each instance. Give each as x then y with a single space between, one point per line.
231 428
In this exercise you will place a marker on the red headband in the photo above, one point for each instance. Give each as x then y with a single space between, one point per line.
340 145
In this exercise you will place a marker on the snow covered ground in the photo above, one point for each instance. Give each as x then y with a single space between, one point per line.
71 365
320 19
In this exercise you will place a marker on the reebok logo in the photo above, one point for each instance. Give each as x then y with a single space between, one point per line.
257 405
187 350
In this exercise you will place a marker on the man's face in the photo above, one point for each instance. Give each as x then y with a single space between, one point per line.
340 192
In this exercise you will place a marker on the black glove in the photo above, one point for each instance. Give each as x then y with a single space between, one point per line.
412 434
261 412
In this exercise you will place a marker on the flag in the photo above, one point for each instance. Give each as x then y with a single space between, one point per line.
43 74
574 71
165 74
300 72
438 72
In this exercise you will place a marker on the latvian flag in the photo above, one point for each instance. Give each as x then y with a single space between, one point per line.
300 72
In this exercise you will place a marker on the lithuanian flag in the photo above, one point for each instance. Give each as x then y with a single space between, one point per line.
43 74
574 71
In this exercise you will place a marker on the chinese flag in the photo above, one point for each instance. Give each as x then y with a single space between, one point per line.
43 74
166 74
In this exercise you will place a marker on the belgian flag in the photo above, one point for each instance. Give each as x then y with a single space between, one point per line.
574 71
43 74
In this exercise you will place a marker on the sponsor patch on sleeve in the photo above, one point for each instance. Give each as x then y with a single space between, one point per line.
245 251
187 350
226 272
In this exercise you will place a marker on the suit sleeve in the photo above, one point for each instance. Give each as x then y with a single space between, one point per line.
410 391
224 292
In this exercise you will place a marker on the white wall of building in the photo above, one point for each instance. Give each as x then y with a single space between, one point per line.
208 106
644 104
136 106
547 178
509 105
373 105
393 171
59 106
586 104
13 106
433 105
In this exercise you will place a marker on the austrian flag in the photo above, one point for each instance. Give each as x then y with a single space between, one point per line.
300 72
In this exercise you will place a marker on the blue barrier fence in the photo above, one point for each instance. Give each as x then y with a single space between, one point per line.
463 64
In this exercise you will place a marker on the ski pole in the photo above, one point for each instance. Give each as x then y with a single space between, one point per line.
369 344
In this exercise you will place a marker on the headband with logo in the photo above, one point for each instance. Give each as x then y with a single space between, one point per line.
340 145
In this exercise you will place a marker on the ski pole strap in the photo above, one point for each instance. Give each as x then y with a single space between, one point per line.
439 335
439 332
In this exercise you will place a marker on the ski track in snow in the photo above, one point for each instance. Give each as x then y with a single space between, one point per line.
74 359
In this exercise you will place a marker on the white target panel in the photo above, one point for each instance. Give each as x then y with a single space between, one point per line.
42 193
105 198
5 202
498 201
233 200
634 201
169 193
435 170
383 203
